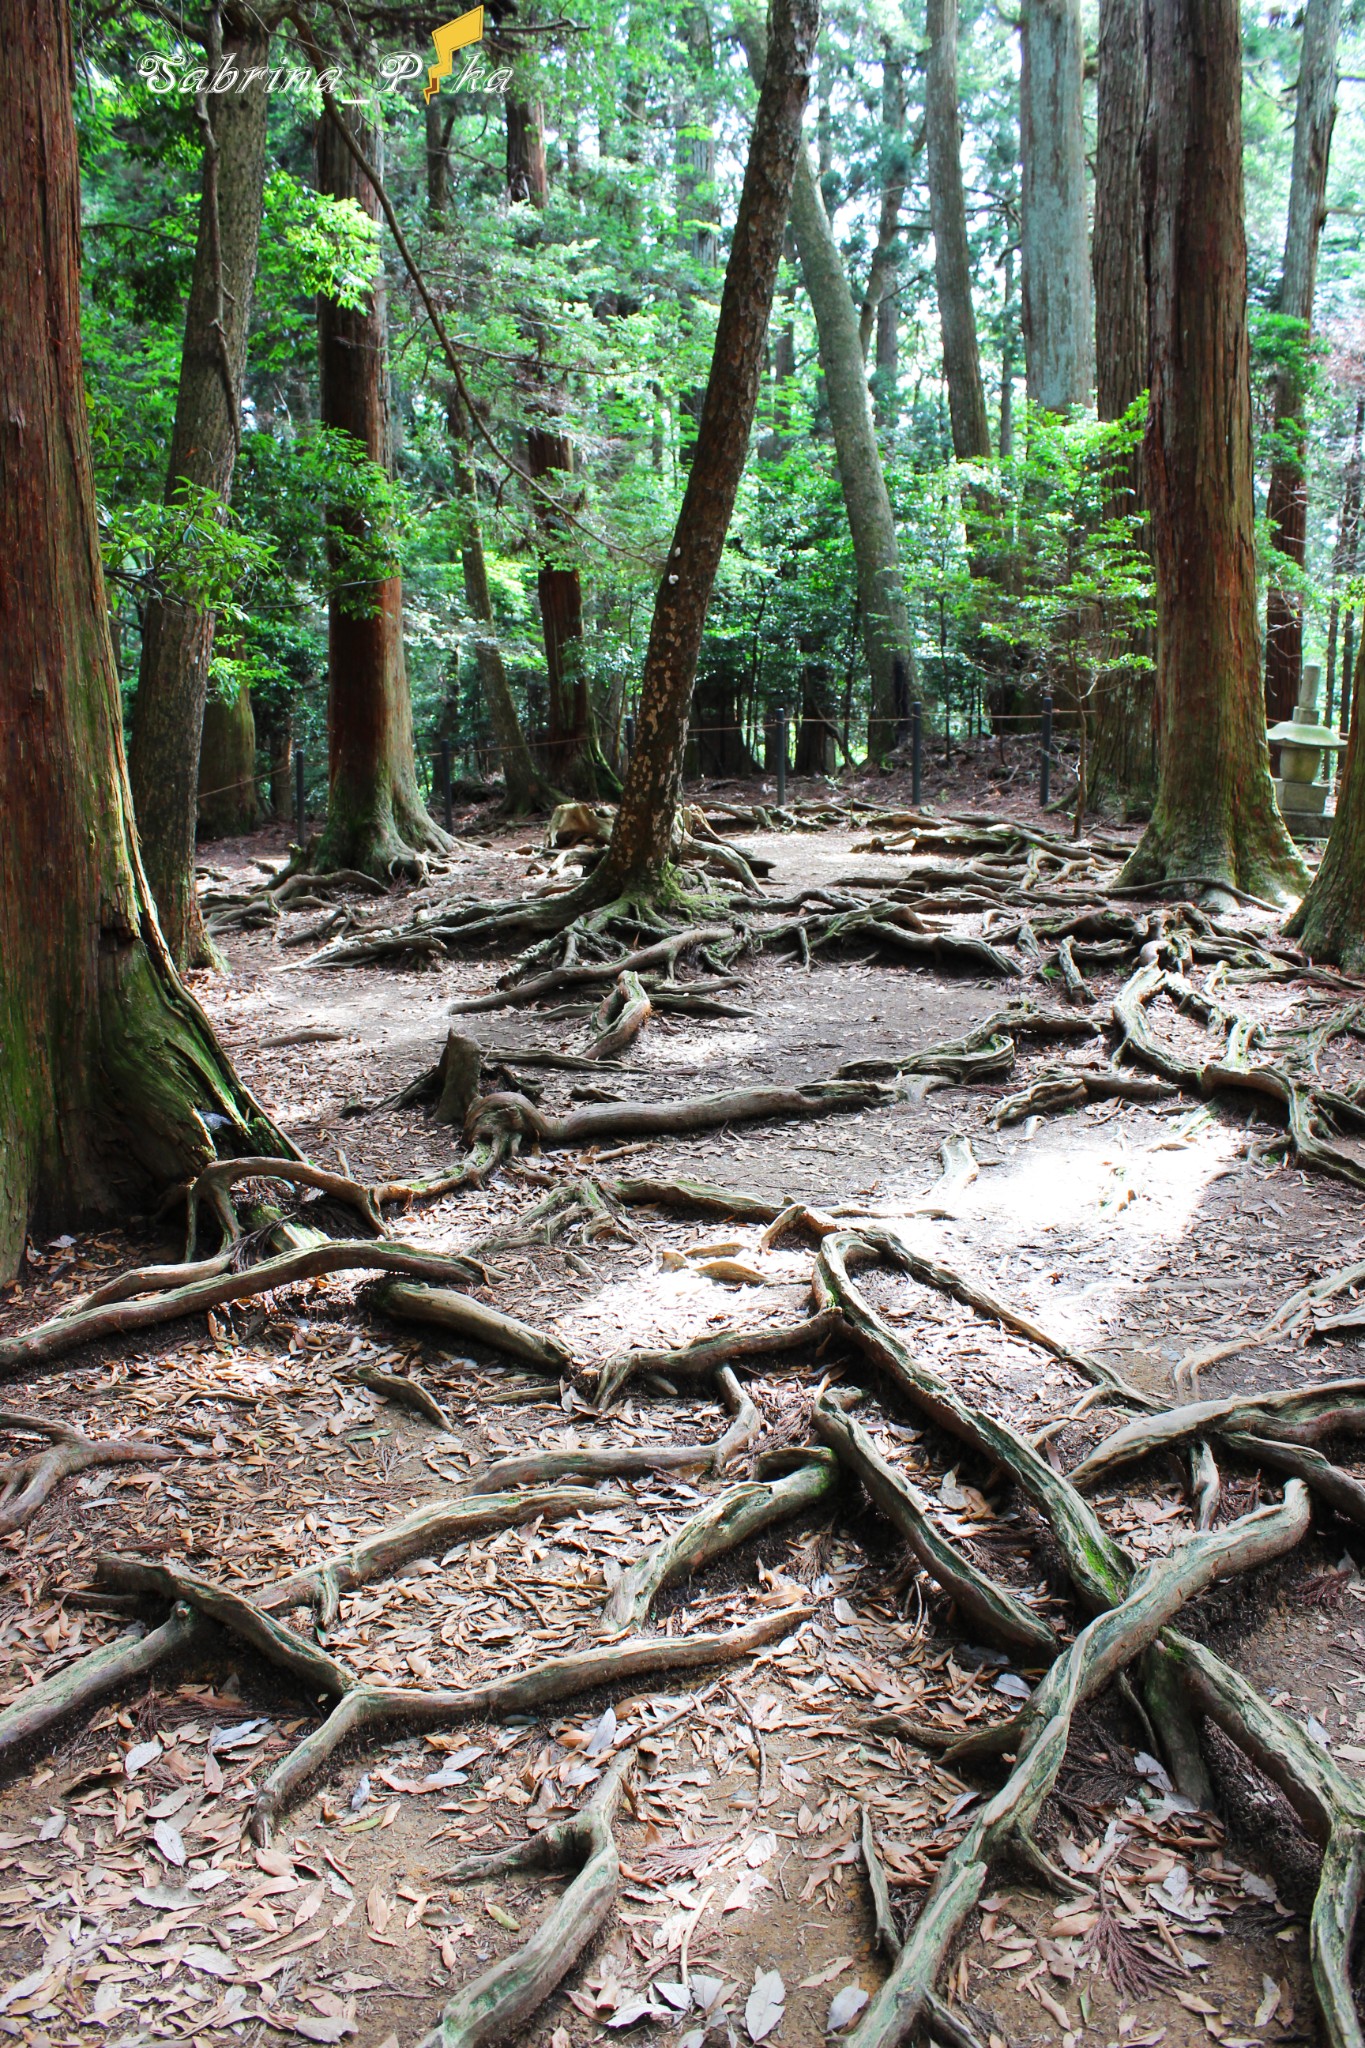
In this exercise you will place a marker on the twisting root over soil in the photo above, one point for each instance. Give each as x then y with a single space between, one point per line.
491 2009
25 1483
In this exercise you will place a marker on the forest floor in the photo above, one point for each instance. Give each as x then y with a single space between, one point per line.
132 1905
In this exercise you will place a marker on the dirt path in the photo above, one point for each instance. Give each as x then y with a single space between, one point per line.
134 1906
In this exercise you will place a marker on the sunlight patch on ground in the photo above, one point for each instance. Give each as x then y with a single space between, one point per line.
657 1307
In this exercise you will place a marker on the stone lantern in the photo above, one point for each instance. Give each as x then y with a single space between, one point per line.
1303 743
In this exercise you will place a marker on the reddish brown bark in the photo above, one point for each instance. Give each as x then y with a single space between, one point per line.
1215 813
1330 922
952 256
111 1082
376 819
642 839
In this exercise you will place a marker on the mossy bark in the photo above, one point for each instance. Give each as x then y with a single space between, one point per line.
228 798
177 639
1330 922
376 819
1215 813
111 1082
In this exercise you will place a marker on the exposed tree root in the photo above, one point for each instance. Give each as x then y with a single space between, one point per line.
211 1189
1290 1316
1067 1087
559 1678
620 1018
500 2001
997 1613
720 1525
25 1483
94 1676
81 1324
1102 1649
474 1322
247 1619
664 953
600 1122
1291 1415
704 1354
406 1391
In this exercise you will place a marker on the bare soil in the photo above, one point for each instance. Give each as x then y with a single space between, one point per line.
132 1907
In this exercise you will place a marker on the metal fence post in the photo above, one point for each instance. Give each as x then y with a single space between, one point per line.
781 755
447 808
1045 781
299 817
916 750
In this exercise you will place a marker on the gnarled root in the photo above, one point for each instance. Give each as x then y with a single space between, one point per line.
996 1612
474 1323
25 1483
620 1019
559 1678
704 1354
1295 1415
500 2001
1102 1649
597 1122
720 1525
93 1676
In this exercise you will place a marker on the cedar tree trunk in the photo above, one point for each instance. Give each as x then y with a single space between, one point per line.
1287 507
1330 922
177 640
111 1083
228 800
642 838
1058 340
952 257
872 529
1215 812
376 819
1343 568
878 313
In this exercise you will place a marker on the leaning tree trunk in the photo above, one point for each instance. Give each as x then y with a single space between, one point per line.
177 639
228 799
376 819
1125 701
1215 813
642 838
1287 505
1058 340
526 788
952 256
1330 922
112 1085
872 529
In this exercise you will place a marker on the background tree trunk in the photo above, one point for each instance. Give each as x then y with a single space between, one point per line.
642 838
872 529
112 1085
879 299
1058 338
1287 506
228 800
376 819
1344 556
1330 922
177 641
1215 813
1125 699
952 256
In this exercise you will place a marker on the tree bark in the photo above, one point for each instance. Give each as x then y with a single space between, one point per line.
880 297
1287 505
952 257
376 819
1215 811
1344 556
872 529
1058 341
228 801
111 1082
642 838
177 640
1330 922
1125 700
526 788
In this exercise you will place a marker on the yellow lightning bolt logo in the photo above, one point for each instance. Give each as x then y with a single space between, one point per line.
450 37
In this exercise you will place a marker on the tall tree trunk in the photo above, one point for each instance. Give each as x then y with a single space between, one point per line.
228 801
112 1085
1007 359
880 295
952 257
1287 506
1058 337
642 838
1215 812
1344 557
177 639
376 819
1125 698
1330 922
872 529
526 788
696 159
